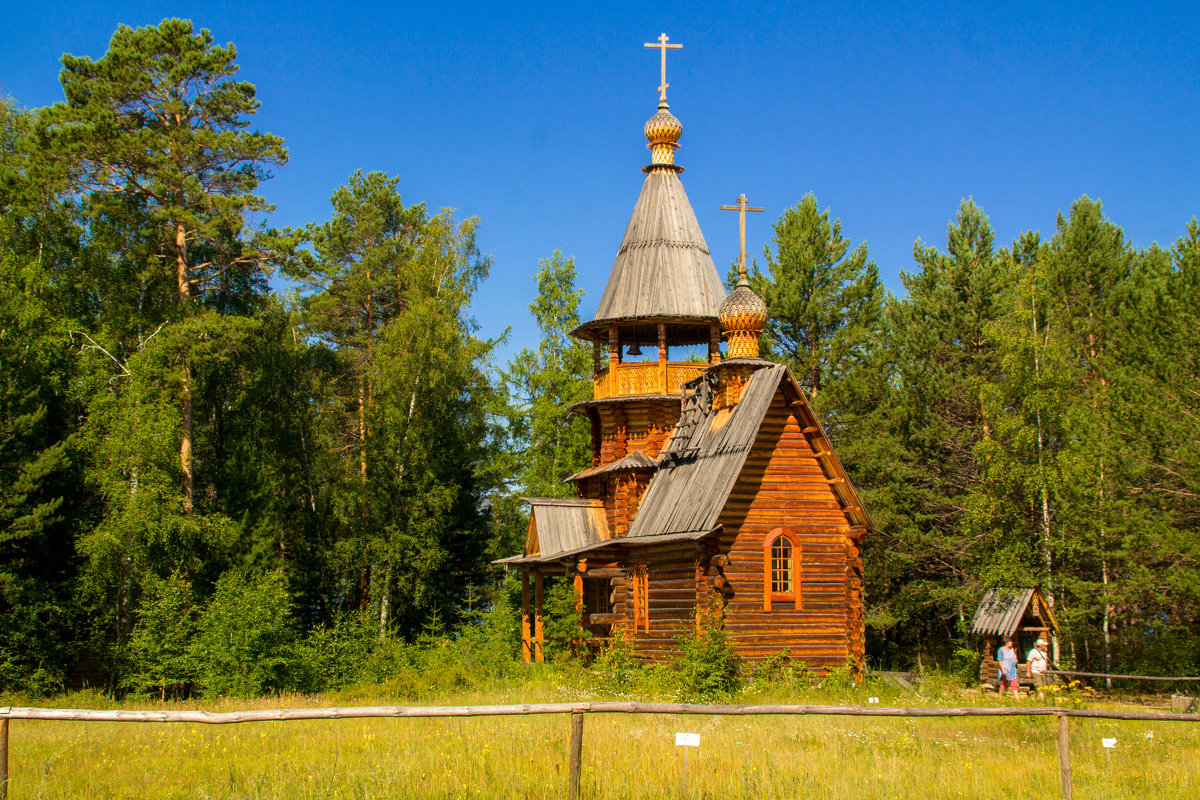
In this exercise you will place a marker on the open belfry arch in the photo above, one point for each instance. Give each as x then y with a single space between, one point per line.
710 479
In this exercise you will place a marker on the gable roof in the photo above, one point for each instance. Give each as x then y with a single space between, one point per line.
560 525
663 268
1001 609
708 449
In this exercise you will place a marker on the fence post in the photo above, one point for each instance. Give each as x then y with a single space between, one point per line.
1064 755
4 759
576 753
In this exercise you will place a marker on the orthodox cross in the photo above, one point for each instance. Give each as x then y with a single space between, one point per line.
663 47
741 208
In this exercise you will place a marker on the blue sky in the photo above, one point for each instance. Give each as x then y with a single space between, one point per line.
529 116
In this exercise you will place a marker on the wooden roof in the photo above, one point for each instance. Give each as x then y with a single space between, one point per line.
695 473
703 460
1001 610
663 268
561 525
635 460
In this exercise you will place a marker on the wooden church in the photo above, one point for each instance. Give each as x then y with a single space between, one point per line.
709 479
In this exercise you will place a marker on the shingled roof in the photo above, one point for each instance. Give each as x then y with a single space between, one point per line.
703 459
663 268
1001 609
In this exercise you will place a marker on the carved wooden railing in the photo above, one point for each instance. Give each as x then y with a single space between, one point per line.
645 377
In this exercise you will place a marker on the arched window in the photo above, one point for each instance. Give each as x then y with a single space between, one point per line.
781 569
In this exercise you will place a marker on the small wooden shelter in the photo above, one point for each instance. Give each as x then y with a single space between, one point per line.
708 479
1022 614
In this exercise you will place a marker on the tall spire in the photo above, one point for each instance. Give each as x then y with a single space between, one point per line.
663 270
743 313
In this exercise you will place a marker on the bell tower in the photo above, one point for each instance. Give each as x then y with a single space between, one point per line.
658 312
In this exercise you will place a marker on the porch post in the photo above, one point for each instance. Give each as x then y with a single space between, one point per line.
538 633
526 638
663 388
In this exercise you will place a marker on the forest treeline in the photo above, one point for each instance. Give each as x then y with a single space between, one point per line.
210 485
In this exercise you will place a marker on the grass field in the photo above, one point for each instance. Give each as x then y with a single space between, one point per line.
624 756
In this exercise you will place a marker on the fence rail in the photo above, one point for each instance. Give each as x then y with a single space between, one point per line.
576 711
1121 677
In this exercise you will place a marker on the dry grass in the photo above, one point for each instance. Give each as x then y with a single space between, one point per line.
625 756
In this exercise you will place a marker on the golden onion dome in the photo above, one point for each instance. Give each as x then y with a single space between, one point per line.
663 127
662 134
742 310
742 316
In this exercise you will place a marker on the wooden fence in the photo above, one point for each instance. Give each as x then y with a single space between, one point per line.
1110 676
576 712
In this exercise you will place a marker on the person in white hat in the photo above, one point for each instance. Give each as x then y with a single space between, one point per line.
1038 663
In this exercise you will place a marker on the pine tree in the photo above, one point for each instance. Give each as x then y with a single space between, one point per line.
159 122
388 288
825 300
945 357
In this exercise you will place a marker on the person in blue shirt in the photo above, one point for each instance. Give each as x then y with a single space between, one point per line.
1007 657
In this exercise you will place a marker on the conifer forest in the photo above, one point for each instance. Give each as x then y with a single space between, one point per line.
210 483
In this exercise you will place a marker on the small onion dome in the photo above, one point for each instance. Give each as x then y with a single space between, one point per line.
742 316
662 132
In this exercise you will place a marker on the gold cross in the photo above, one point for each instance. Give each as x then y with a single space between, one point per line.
664 47
742 208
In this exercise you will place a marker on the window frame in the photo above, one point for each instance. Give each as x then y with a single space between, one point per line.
794 595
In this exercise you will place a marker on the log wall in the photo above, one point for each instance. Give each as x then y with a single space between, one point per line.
653 622
783 485
643 425
618 430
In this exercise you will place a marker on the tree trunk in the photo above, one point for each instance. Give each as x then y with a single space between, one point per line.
184 278
1104 578
1047 559
385 603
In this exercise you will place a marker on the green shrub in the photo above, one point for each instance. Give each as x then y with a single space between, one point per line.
562 622
617 670
336 656
707 666
245 644
491 639
161 660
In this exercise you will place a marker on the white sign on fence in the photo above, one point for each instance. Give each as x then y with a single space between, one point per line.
872 700
687 740
1108 743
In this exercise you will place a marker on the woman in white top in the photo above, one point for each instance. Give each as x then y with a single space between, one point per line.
1038 663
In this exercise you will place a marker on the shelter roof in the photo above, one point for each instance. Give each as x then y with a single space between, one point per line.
663 268
1001 609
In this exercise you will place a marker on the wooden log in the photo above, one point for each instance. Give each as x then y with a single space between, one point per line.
575 758
1064 756
4 758
539 630
1122 677
367 712
526 632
